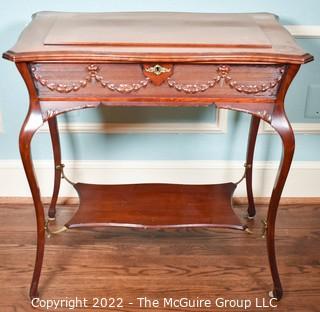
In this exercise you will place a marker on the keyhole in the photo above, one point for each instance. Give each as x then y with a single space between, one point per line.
157 69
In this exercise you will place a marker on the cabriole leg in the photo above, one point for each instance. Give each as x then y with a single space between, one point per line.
282 126
54 134
32 122
254 126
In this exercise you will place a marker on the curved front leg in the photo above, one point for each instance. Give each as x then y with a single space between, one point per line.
282 126
254 126
32 122
54 134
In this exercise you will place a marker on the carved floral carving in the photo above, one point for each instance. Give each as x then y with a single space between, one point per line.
265 115
93 74
223 76
119 87
59 87
49 113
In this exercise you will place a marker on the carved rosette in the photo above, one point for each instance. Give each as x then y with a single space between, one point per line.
157 75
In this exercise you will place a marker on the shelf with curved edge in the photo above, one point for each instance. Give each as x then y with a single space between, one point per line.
155 206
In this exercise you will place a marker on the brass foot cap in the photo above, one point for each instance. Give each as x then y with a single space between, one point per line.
249 217
271 295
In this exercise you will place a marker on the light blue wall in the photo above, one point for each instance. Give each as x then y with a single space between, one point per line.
14 15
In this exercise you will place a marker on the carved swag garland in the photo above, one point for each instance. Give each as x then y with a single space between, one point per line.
223 77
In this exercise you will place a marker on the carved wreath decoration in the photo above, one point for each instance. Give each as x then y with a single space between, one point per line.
223 77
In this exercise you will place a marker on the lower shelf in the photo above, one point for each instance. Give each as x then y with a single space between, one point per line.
155 206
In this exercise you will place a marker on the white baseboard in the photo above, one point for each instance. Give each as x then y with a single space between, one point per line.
303 180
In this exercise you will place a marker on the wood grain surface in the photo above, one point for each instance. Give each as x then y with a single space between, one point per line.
165 29
111 37
155 206
174 263
75 80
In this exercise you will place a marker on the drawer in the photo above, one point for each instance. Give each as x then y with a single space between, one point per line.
147 81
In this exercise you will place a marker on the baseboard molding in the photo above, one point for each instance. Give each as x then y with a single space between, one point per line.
303 180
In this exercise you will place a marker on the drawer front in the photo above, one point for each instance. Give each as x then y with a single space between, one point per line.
147 81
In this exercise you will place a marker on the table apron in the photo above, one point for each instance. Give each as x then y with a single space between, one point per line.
157 82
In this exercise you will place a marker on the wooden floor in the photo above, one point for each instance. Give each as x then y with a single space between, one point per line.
174 263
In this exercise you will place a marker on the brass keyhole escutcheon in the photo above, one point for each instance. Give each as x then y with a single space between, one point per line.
157 73
157 69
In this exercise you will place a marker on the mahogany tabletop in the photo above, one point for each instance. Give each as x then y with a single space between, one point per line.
160 36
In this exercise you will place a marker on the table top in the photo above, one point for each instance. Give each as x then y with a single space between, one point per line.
157 36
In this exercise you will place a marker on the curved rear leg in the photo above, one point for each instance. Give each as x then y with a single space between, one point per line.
54 134
254 126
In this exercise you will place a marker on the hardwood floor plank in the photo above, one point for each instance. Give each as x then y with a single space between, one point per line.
207 263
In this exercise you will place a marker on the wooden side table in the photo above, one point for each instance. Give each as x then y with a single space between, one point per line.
241 62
